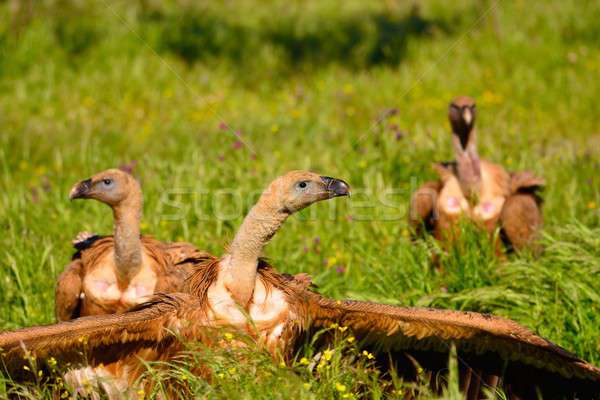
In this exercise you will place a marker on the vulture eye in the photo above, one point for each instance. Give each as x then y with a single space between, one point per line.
107 182
302 185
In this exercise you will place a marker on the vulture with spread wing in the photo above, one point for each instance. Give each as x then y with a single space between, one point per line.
112 273
243 293
477 189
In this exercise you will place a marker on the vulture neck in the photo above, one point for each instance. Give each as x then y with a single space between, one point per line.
241 261
468 162
128 244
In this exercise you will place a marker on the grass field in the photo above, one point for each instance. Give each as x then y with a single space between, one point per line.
214 101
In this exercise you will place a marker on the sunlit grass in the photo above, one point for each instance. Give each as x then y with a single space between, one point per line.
209 133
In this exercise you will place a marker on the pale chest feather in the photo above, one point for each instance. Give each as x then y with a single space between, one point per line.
492 195
267 315
100 283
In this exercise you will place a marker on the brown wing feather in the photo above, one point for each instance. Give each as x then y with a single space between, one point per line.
422 206
526 181
521 220
183 258
185 253
68 291
103 338
404 329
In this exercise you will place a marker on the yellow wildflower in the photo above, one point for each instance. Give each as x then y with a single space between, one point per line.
221 375
351 339
296 113
307 386
348 89
328 354
343 328
304 361
334 326
228 336
232 371
26 368
52 362
340 387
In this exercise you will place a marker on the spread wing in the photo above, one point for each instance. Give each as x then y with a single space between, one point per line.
103 338
487 344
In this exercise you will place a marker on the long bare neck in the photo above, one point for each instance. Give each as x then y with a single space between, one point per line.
241 261
128 244
468 164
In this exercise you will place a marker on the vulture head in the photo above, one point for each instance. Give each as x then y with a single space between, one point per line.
462 113
298 189
112 187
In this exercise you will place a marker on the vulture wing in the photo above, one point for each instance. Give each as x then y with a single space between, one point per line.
526 181
102 338
489 346
69 285
422 206
183 258
183 253
521 217
68 291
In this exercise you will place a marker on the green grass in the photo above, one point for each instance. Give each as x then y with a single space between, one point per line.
83 89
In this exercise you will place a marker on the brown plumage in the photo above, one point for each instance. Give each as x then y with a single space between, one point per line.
284 311
476 189
112 273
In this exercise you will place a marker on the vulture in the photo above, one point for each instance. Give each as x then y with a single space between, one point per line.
110 274
477 189
241 292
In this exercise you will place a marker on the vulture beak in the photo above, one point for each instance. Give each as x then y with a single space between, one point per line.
467 115
336 187
81 190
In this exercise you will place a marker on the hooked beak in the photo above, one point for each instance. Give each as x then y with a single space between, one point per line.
81 190
336 187
467 116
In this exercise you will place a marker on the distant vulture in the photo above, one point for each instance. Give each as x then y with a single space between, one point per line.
477 189
113 273
242 293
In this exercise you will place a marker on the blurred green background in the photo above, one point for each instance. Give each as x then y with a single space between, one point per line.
205 96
